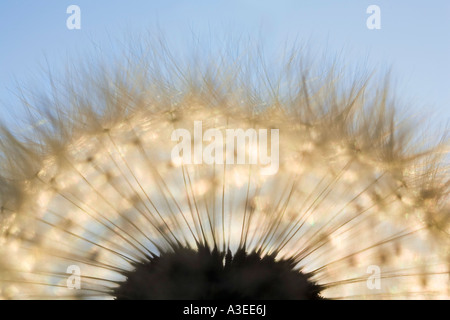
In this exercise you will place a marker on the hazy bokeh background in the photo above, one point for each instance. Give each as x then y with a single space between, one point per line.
413 39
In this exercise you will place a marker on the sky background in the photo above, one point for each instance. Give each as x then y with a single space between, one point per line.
414 37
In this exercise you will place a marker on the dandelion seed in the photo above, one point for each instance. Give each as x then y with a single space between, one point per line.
94 185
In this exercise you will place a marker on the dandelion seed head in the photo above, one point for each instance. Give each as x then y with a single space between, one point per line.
95 186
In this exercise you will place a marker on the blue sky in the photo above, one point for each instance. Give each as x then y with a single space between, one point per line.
413 39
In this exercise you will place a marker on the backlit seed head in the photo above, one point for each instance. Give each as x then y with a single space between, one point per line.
94 185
